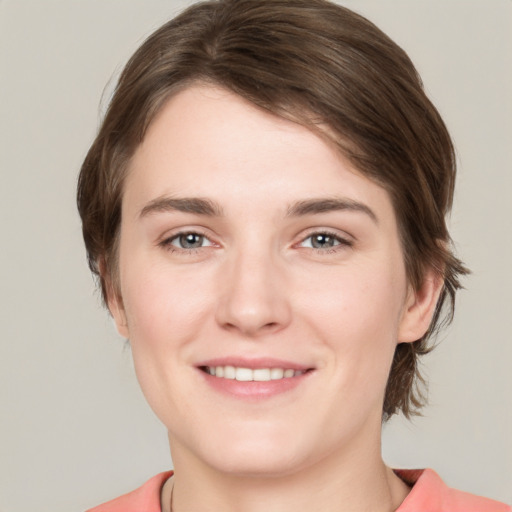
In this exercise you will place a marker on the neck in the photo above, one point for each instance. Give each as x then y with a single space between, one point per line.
358 481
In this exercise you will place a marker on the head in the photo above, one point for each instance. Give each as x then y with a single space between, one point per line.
325 68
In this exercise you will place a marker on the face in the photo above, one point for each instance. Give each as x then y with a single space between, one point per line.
262 287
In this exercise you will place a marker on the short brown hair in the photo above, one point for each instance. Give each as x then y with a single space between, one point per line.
318 64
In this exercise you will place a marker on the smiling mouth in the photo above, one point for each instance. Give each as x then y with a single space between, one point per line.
248 374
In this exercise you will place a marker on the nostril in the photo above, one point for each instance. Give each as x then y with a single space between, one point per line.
251 328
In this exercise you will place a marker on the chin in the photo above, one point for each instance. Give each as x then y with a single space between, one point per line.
246 462
250 453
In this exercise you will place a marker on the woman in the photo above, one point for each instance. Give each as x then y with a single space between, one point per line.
264 207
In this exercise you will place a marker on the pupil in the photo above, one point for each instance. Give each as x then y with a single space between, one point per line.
191 241
320 241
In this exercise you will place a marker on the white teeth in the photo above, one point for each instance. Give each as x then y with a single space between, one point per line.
248 374
243 374
276 373
229 372
261 374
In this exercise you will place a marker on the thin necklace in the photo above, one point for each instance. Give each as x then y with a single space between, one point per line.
172 491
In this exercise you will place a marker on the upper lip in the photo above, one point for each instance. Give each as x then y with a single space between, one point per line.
254 363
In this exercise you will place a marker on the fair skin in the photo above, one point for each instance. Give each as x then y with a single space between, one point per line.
247 241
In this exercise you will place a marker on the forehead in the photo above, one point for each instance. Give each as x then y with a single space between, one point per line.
208 142
209 121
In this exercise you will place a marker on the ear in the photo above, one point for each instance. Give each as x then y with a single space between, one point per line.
116 308
114 302
419 308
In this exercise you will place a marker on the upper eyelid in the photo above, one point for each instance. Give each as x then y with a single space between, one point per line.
342 235
167 243
341 241
308 233
173 234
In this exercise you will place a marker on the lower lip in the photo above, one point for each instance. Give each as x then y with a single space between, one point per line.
254 389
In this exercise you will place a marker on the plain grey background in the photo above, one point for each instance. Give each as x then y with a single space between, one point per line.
74 427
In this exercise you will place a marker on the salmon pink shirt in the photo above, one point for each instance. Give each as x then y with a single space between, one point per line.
428 494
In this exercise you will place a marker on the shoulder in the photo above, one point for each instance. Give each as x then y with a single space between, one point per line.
145 498
430 494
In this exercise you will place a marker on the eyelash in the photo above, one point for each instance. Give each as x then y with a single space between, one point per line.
167 243
340 244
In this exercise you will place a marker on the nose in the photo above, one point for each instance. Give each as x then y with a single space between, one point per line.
254 298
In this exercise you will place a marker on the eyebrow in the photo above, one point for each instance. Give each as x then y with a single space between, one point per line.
196 205
325 205
209 208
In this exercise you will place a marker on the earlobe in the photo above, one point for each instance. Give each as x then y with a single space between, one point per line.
116 308
114 303
419 308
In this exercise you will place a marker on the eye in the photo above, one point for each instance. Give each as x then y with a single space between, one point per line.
324 240
189 240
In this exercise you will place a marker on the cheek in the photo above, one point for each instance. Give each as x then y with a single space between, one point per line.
163 307
356 299
166 312
355 313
